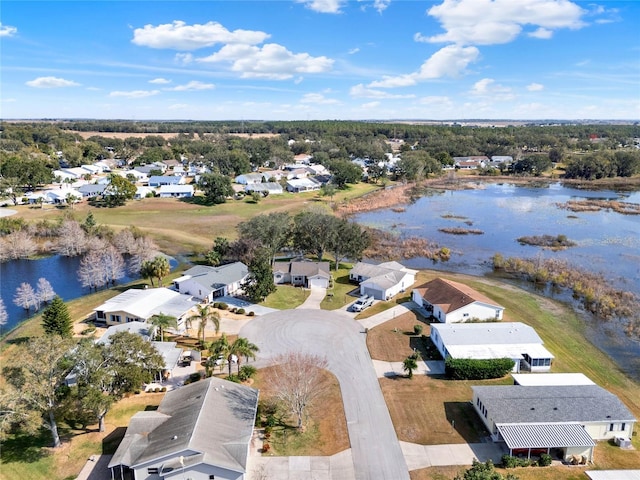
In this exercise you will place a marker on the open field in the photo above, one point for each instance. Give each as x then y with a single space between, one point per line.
184 227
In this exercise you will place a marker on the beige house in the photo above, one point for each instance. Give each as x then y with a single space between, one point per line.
563 421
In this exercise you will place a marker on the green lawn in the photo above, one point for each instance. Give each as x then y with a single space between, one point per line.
286 297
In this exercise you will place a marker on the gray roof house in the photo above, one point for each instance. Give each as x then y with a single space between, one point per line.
302 273
201 430
565 419
271 188
159 180
206 283
382 281
491 340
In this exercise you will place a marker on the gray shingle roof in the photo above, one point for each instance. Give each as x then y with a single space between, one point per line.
574 403
545 435
212 417
494 333
217 277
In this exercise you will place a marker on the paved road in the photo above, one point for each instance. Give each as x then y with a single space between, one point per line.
374 445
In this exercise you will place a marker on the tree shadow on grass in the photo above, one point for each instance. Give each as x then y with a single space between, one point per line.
26 448
201 201
463 419
18 340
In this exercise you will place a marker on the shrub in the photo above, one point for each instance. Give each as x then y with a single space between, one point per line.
156 390
233 378
251 313
473 369
163 389
137 392
509 461
222 306
246 372
233 310
240 311
417 329
544 460
194 377
265 447
216 304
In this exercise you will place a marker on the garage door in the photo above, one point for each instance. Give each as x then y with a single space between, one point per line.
318 283
374 292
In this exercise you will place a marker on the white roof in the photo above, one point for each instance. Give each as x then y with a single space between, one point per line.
613 474
148 302
550 379
486 333
513 351
176 189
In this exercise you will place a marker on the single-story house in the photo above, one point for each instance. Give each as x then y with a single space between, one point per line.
302 273
297 173
563 420
178 191
550 379
249 178
170 352
144 192
490 340
92 190
206 283
200 431
275 174
139 176
382 281
273 188
502 159
153 167
297 185
450 302
159 180
139 305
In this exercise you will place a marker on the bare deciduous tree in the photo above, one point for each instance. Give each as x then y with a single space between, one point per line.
124 241
72 239
26 297
4 316
44 290
90 273
297 381
112 263
143 249
18 244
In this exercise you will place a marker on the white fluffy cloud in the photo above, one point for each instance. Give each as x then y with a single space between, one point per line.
491 22
323 6
191 86
319 99
271 61
535 87
180 36
487 87
160 81
363 92
51 82
7 30
381 5
450 61
135 93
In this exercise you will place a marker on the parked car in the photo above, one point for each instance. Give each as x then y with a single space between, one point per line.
361 303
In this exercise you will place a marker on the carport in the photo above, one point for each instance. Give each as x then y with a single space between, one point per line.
537 438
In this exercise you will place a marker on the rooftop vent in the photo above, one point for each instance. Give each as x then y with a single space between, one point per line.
175 437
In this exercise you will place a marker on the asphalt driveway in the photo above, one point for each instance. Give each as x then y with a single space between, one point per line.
374 445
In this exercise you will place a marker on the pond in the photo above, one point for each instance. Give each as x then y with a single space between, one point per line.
60 271
607 242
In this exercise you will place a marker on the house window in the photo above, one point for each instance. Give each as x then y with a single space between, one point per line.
212 477
115 318
497 313
611 427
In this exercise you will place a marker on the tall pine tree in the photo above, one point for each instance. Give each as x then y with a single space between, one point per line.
56 319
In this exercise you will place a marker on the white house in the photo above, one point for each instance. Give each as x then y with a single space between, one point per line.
271 188
177 191
492 340
297 185
143 192
562 420
382 281
199 431
159 180
450 302
206 283
139 305
304 273
249 178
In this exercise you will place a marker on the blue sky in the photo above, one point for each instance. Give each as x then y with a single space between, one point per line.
320 59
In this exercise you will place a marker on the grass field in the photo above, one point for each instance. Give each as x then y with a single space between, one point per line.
187 227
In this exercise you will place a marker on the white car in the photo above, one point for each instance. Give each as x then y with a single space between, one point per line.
363 302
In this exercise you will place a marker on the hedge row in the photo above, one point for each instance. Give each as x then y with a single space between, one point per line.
473 369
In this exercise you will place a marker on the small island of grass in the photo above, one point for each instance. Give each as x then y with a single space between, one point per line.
559 242
461 231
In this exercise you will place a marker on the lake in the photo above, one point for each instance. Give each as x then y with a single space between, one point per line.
61 272
607 242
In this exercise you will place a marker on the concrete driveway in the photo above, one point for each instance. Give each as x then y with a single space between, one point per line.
375 448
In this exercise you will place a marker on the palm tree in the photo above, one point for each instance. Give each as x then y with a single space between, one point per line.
243 348
409 365
219 348
163 321
204 316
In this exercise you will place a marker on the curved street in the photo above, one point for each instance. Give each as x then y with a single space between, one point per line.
374 445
